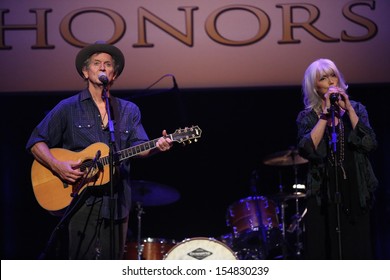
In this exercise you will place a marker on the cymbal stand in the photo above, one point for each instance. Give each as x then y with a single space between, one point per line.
283 206
140 247
297 214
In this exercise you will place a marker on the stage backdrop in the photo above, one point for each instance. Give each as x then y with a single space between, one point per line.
203 44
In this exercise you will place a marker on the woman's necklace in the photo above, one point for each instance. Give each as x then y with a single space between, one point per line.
341 139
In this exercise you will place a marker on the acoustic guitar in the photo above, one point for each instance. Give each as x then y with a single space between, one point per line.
54 195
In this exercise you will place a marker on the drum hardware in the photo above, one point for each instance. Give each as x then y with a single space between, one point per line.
298 244
283 206
295 220
281 199
292 158
146 193
140 211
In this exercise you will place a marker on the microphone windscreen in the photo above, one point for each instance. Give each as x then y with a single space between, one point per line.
103 78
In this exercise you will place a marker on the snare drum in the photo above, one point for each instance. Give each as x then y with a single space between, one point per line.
151 249
200 248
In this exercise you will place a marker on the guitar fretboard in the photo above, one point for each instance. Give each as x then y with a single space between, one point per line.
180 135
130 152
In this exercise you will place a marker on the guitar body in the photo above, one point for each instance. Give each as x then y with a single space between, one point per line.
50 191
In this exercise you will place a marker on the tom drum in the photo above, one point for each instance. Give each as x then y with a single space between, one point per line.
250 214
151 249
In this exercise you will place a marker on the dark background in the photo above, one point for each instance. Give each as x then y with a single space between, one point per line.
240 128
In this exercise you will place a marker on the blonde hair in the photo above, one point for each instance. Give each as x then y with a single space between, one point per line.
319 67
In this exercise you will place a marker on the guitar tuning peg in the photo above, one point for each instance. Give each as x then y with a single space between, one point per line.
195 140
189 141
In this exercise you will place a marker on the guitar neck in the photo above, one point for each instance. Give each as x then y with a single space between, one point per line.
180 135
132 151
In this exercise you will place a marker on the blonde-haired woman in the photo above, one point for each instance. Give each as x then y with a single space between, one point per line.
335 135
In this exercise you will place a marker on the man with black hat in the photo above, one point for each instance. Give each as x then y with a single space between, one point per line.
75 124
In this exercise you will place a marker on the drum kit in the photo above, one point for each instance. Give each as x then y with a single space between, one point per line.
257 224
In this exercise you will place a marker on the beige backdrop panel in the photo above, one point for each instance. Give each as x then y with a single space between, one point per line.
206 63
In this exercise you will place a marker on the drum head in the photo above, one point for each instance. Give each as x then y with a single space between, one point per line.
200 248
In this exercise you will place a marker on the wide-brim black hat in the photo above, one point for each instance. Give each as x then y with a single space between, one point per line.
99 47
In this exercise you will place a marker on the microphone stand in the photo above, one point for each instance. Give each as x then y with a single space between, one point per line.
337 193
111 167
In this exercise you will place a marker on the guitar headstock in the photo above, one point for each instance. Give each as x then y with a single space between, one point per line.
187 134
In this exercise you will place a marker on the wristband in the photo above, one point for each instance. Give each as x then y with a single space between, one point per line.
324 116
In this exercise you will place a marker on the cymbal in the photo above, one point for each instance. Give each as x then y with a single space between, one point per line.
285 158
282 196
153 194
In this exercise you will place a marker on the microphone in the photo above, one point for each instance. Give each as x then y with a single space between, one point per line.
103 78
97 156
96 159
334 97
88 168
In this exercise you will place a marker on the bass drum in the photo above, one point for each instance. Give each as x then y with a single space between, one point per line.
200 248
151 249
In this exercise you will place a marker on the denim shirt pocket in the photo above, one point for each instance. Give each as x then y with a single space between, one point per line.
84 132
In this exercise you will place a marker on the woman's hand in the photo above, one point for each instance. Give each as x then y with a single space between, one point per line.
341 98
